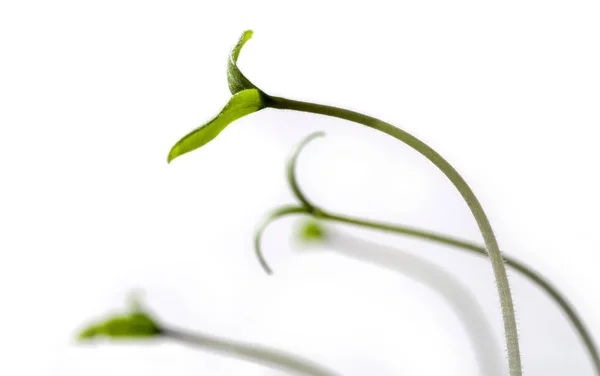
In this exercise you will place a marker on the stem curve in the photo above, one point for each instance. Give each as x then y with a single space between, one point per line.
291 169
493 251
266 221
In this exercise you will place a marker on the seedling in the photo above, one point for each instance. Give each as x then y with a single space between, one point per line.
138 324
248 98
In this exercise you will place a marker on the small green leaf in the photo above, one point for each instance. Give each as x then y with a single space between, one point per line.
134 325
241 104
235 78
311 230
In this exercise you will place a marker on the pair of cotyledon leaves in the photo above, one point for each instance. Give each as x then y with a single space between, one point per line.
246 99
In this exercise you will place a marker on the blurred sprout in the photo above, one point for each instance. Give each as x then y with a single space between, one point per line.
136 324
311 230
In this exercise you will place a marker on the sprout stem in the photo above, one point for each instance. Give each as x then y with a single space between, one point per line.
508 314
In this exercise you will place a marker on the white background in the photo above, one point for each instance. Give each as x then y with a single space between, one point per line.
93 95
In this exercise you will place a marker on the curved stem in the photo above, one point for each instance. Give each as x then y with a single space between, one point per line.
277 213
291 169
528 272
508 314
258 354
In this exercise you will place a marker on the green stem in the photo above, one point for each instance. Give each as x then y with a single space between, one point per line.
258 354
262 226
291 170
508 314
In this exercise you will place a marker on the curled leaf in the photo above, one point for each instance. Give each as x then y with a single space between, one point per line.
235 78
241 104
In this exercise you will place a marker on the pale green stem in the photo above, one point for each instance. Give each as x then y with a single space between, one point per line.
257 354
508 314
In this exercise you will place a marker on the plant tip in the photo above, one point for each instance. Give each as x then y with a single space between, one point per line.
311 230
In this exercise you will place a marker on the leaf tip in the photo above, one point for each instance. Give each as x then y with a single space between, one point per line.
172 154
235 78
246 36
88 333
134 324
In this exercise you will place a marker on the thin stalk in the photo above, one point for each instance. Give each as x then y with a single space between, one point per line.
254 353
493 251
291 170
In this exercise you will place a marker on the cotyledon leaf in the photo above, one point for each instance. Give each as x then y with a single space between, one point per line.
134 325
235 78
241 104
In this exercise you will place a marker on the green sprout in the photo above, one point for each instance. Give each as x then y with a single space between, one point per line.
137 324
259 100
